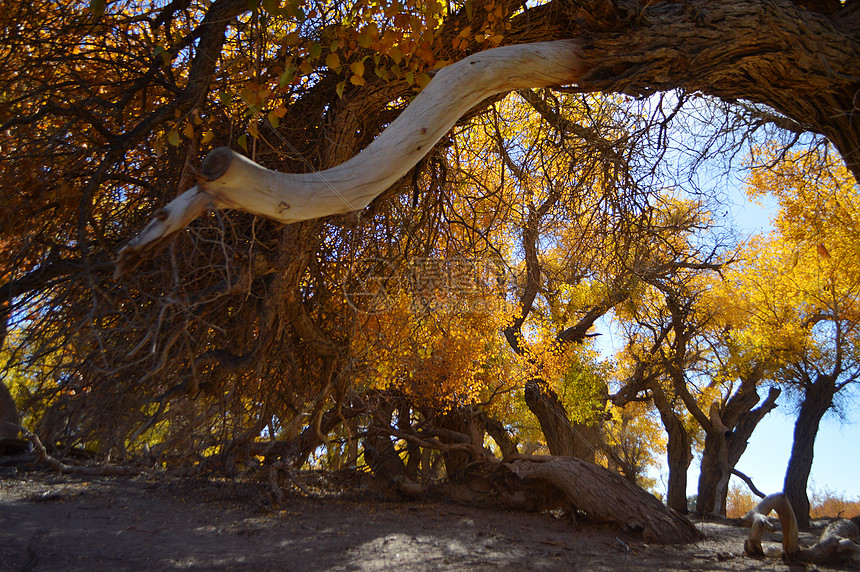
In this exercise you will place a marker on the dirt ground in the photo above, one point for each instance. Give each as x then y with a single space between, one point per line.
56 522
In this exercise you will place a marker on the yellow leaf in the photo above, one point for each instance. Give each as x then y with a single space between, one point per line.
173 137
189 130
358 69
396 55
422 80
332 61
357 80
208 135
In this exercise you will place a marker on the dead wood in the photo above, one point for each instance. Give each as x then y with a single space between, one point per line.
606 496
838 542
43 457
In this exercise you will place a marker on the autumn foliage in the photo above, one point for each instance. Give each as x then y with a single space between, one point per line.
464 315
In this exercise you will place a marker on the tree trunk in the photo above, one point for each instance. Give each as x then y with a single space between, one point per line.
801 63
723 448
711 472
497 431
470 424
817 399
9 419
379 451
563 438
678 454
231 181
678 459
607 496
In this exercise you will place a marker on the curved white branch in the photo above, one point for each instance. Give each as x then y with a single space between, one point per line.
235 182
758 521
837 542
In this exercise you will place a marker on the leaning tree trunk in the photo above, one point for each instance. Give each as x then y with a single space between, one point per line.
606 496
800 62
817 399
562 437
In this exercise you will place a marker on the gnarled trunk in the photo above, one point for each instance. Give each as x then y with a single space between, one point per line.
724 447
607 496
802 63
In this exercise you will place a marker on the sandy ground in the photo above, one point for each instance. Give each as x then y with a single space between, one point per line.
55 522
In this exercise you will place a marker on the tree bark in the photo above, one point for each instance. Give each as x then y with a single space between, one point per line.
817 399
778 53
562 437
469 424
678 450
607 496
497 431
725 445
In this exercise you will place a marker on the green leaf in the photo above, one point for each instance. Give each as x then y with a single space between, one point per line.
287 77
243 142
396 55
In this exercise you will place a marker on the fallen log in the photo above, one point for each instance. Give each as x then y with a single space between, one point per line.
606 496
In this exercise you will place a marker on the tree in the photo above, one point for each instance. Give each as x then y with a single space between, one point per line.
243 327
805 276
